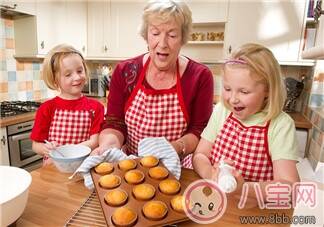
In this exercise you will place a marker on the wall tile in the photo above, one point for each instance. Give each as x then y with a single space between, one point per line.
20 66
3 87
36 66
22 86
12 76
3 76
10 44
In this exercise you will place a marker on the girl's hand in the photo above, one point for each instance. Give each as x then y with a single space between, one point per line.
49 146
239 180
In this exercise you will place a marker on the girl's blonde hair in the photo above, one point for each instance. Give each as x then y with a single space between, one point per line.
51 64
164 11
264 68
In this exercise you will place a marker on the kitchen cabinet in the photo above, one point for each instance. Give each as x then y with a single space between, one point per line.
4 152
208 11
55 22
275 24
113 29
26 7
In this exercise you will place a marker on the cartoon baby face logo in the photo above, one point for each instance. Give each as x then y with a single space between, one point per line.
204 202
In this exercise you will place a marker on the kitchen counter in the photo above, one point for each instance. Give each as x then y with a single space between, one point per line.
300 120
53 199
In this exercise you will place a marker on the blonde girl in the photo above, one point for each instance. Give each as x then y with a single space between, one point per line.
248 127
70 117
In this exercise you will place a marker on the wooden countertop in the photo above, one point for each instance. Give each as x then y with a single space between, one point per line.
53 199
300 120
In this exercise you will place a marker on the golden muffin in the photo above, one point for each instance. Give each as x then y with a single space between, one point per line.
127 164
155 210
177 203
116 197
169 186
109 181
104 168
158 172
144 191
124 216
134 176
149 161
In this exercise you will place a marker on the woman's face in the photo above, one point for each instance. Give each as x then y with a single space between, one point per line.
164 41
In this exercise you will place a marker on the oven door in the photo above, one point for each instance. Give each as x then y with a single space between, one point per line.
20 150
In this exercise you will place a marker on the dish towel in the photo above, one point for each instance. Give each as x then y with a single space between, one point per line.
157 146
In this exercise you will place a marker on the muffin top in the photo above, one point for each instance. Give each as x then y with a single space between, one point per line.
144 191
155 209
169 186
134 176
149 161
116 197
158 172
127 164
109 181
177 203
124 216
104 168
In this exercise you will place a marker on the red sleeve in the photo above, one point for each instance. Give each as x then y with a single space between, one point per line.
42 122
122 83
98 117
197 89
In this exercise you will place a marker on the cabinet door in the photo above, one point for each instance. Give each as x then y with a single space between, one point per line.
50 24
125 40
276 24
208 11
76 25
98 28
4 153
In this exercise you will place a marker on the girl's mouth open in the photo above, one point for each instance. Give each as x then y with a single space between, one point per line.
238 109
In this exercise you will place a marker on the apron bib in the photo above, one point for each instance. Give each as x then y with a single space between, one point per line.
70 126
155 113
247 147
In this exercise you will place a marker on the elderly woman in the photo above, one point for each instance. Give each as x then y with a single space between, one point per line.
159 93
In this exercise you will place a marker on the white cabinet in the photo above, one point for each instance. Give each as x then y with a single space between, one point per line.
204 11
4 152
55 22
276 24
113 29
22 6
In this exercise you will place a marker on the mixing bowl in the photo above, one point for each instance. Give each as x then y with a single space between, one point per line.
14 183
68 158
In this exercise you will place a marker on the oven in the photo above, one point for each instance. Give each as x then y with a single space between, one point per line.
20 146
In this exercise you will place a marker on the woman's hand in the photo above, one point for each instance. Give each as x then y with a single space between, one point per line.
99 150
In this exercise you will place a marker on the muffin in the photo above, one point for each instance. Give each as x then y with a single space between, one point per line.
144 191
134 176
109 181
127 164
155 210
169 186
104 168
124 216
177 203
116 197
158 173
149 161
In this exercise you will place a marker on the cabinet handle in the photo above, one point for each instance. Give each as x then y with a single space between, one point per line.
230 49
318 11
3 140
83 49
8 7
105 48
42 44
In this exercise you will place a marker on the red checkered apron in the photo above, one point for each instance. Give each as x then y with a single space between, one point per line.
155 113
70 126
247 147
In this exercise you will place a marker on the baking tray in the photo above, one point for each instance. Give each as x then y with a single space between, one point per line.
172 216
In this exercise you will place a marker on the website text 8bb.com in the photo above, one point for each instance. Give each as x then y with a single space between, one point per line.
277 219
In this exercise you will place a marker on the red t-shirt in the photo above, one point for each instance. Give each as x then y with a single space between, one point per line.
197 89
52 112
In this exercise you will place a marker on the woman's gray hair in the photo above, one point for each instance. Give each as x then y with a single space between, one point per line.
165 10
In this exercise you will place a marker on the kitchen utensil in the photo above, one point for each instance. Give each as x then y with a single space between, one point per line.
49 143
14 183
74 154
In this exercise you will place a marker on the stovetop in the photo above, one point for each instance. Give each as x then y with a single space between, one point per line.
13 108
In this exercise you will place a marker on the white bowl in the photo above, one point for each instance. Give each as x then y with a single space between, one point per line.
14 183
74 154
